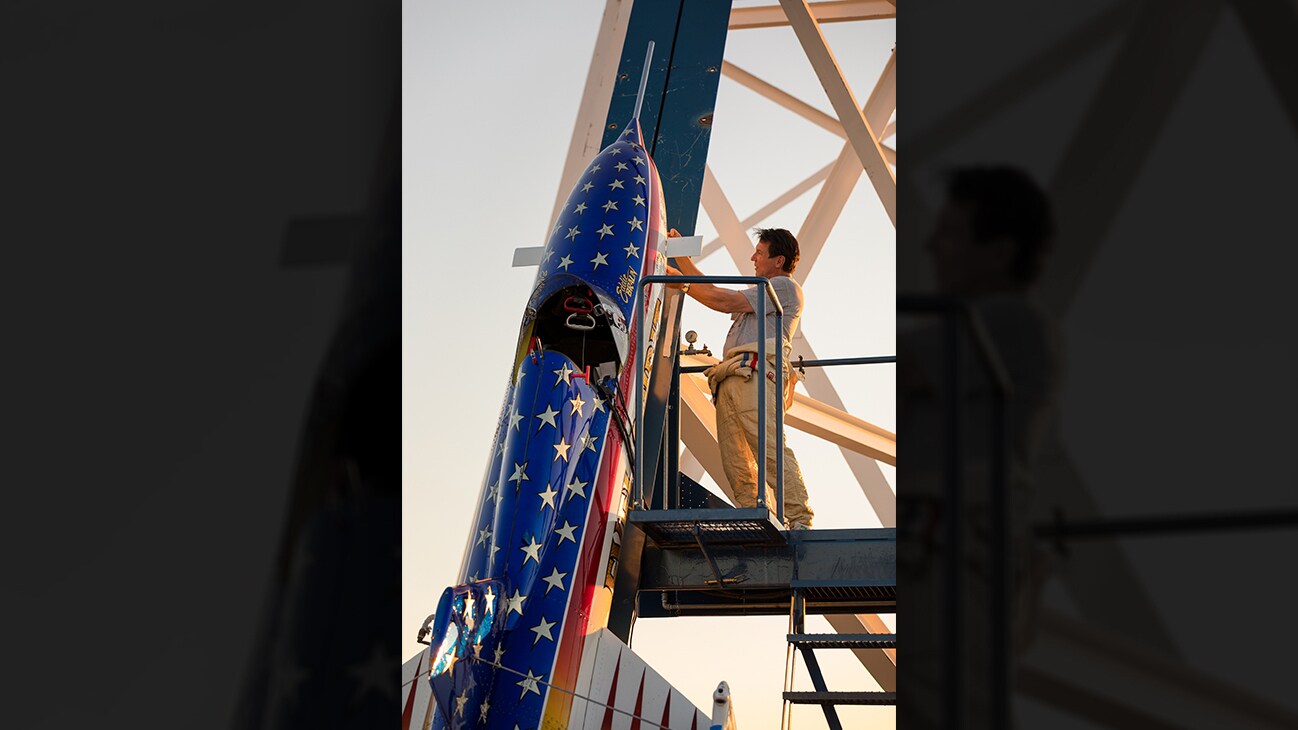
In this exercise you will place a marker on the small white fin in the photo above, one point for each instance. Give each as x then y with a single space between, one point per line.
683 246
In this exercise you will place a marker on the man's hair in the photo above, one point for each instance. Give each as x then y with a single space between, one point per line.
779 242
1005 202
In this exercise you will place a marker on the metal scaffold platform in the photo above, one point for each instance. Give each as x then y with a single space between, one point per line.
838 571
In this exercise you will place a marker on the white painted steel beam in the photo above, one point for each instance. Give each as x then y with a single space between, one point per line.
690 465
883 99
588 131
699 430
783 98
766 210
681 246
825 211
880 663
842 428
864 141
770 16
866 470
809 416
833 196
733 234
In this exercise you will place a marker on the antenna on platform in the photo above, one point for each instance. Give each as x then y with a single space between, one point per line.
644 80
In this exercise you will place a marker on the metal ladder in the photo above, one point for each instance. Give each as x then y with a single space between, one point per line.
806 643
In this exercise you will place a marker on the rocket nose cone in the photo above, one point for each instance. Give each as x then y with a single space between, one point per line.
632 133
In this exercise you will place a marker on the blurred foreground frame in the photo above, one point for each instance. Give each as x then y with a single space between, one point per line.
1087 668
332 606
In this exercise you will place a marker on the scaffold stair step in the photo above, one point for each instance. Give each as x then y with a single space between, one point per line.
845 641
841 698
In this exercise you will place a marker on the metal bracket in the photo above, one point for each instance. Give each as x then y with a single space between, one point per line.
716 570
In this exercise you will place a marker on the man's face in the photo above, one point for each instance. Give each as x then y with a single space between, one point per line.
763 264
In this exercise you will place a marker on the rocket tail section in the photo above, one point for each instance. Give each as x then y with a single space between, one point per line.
618 688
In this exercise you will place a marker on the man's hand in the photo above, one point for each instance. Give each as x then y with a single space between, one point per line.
673 271
687 264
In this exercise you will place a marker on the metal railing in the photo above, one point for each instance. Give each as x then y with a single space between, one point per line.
800 364
640 386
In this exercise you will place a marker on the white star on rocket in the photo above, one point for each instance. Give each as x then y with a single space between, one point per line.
515 604
620 166
547 416
555 580
599 404
499 651
532 550
460 700
636 224
638 199
529 684
581 208
600 258
638 159
542 630
605 230
572 233
482 714
610 205
493 491
595 168
490 595
566 531
564 373
638 179
577 404
547 497
616 185
577 486
587 443
586 188
484 535
520 473
565 262
514 418
561 450
632 250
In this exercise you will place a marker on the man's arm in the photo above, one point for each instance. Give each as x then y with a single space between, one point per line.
710 296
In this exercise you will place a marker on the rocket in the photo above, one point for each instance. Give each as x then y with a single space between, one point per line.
521 642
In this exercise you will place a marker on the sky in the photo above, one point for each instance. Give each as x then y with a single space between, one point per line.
489 104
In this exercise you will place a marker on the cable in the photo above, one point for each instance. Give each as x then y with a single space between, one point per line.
551 686
652 723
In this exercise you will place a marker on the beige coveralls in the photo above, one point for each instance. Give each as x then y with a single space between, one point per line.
734 389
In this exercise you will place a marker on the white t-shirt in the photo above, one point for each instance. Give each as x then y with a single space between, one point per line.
744 326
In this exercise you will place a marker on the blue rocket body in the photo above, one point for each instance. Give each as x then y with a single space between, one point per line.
509 645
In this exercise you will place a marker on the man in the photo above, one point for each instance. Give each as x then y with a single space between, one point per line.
733 381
